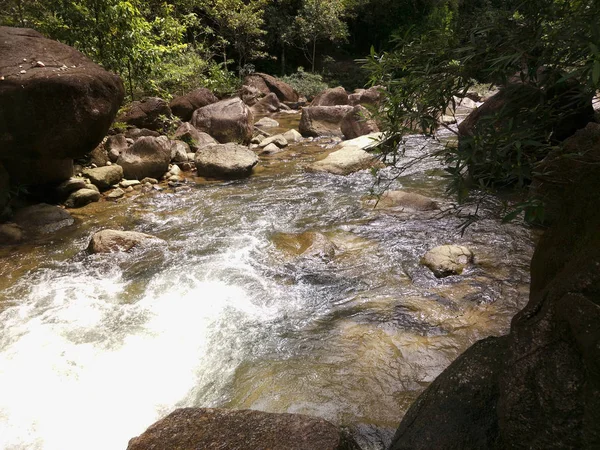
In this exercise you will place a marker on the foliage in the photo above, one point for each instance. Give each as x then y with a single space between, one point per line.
305 83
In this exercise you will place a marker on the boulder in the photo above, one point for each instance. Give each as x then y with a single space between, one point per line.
363 142
292 136
267 122
82 197
4 189
331 97
136 133
99 156
104 177
278 140
371 96
115 145
270 149
225 161
33 172
115 194
146 113
184 106
212 429
226 121
323 120
71 185
404 201
268 104
43 218
179 151
148 157
194 138
250 95
358 122
10 233
447 260
267 84
113 241
59 111
346 161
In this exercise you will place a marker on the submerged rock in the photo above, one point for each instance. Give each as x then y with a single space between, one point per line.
212 429
346 161
225 160
447 260
309 244
111 241
403 200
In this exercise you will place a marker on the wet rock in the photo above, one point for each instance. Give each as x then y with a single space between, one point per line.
148 157
129 183
10 233
203 428
225 160
358 122
267 84
371 96
363 142
115 145
147 113
292 136
226 121
447 260
112 241
149 180
104 177
277 140
268 104
403 200
270 149
179 151
194 138
184 106
82 197
48 114
115 194
267 122
71 185
323 120
331 97
346 161
43 218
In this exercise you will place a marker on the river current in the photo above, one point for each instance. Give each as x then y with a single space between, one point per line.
95 348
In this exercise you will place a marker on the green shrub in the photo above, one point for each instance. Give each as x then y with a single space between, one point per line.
306 84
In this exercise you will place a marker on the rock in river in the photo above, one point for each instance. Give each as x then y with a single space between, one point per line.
104 177
111 241
184 106
148 157
215 429
227 121
43 218
82 197
345 161
225 160
323 120
447 260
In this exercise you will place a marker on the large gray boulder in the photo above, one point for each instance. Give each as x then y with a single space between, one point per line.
104 177
323 120
185 105
226 121
331 97
213 429
112 241
225 161
149 113
60 110
147 157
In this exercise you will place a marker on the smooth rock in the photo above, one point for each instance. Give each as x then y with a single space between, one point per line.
148 157
212 429
447 260
268 104
267 122
136 133
99 156
43 218
270 150
225 160
358 122
323 120
115 145
292 136
149 180
115 194
345 161
129 183
194 138
185 105
104 177
112 241
226 121
278 140
331 97
82 197
363 142
267 84
179 151
71 185
371 96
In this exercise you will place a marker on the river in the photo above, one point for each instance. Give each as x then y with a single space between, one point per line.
95 348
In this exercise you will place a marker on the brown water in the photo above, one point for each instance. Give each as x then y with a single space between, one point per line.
95 348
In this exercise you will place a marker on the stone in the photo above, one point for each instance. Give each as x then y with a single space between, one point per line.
270 149
226 121
194 138
104 177
113 241
185 105
175 170
331 97
267 84
136 133
292 136
91 186
148 157
10 234
71 185
278 140
225 161
446 260
179 151
36 172
149 180
128 183
43 218
47 114
319 246
404 201
250 95
268 104
82 197
363 142
99 156
4 190
267 122
371 96
146 113
212 429
115 145
358 122
323 120
115 194
345 161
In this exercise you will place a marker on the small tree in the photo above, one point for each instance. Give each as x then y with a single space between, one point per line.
320 20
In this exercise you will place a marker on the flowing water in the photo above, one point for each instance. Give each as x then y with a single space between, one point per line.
95 348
